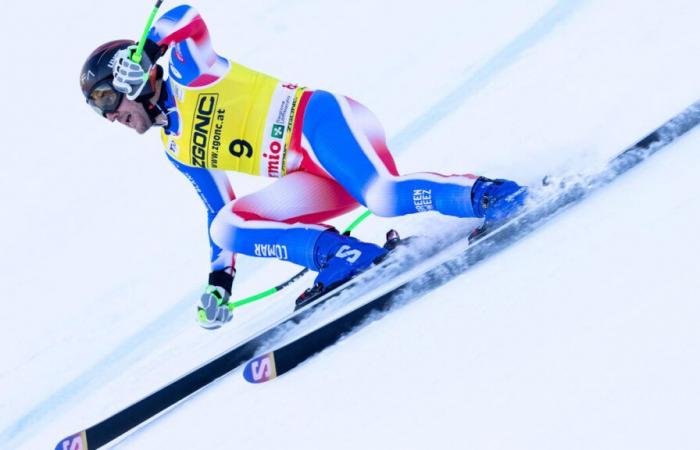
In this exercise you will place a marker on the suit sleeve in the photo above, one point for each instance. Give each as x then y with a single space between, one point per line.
178 25
193 58
215 191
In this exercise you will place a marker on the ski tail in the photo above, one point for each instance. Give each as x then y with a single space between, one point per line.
77 441
261 369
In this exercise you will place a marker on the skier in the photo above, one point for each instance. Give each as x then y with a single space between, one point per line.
327 151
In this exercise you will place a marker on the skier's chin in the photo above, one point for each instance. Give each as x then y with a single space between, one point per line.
141 129
142 125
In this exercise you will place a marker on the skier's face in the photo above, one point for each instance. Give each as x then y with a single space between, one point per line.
132 115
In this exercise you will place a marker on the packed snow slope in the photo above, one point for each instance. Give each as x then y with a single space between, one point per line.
583 335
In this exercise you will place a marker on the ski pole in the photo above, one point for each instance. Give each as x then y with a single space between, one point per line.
279 287
267 293
138 54
357 221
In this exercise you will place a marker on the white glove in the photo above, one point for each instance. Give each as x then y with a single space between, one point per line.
213 308
129 77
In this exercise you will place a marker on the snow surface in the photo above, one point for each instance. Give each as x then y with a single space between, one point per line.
584 335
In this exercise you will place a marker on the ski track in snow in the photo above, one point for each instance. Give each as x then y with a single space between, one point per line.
480 77
91 380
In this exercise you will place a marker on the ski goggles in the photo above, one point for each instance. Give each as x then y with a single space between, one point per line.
104 99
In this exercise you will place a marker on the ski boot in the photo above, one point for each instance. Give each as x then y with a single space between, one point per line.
495 201
341 258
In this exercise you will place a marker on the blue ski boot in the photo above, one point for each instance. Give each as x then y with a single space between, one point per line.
496 200
339 258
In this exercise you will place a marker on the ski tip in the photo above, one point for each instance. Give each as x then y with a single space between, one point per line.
77 441
260 369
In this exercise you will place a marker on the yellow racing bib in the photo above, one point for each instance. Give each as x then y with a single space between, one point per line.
243 122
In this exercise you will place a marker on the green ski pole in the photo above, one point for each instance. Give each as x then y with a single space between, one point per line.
138 54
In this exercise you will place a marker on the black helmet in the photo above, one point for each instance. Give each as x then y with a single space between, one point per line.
96 77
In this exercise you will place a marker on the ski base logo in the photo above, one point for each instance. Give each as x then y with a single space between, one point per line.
78 441
260 369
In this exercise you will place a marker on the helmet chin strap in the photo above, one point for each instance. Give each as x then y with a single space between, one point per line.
152 109
148 95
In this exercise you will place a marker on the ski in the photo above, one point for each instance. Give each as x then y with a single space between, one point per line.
281 360
167 396
372 298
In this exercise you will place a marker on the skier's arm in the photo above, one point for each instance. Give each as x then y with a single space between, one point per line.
177 25
184 28
215 191
193 61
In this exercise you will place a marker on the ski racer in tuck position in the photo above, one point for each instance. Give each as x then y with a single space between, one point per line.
327 151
